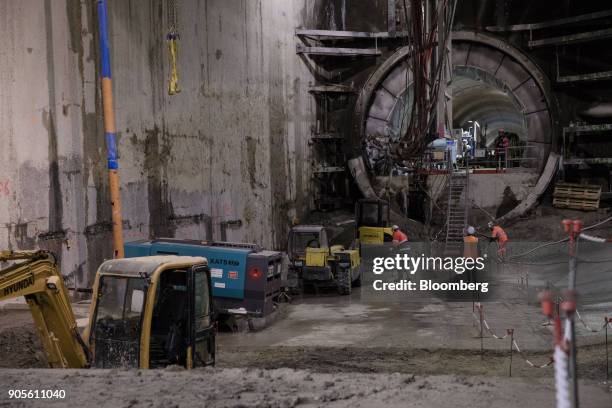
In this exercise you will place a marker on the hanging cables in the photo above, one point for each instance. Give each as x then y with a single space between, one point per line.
585 236
172 38
598 224
425 82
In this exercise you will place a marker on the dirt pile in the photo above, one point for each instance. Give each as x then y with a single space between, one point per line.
21 348
20 345
544 224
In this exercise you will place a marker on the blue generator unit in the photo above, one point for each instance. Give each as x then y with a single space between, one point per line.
245 279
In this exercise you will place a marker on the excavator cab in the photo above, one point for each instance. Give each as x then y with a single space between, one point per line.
152 312
145 312
372 222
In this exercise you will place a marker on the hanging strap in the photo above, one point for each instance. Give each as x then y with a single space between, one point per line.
172 39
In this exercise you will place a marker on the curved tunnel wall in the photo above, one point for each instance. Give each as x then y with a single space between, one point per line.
502 111
515 85
516 74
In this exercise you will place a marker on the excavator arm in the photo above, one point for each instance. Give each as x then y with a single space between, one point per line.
37 278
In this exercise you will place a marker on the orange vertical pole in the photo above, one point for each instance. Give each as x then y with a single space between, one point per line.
110 131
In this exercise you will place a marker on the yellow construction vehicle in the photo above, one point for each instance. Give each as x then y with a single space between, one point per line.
372 222
313 260
145 312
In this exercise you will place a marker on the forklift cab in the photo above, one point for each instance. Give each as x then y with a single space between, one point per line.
313 260
372 221
152 313
305 237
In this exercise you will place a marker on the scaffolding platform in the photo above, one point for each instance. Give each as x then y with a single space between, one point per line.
338 51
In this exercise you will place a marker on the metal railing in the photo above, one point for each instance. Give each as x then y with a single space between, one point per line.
493 158
499 158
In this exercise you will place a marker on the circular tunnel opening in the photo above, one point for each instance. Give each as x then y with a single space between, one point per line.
495 87
481 101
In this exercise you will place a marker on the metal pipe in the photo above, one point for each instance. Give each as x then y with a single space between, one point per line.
481 331
110 130
598 110
441 48
391 19
511 332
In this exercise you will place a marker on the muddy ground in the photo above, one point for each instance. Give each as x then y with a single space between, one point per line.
20 345
174 387
302 376
545 224
434 361
21 348
367 349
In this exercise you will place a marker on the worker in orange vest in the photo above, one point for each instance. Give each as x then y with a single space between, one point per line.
470 244
398 236
470 251
498 234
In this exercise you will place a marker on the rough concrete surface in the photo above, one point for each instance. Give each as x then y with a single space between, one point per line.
231 146
174 387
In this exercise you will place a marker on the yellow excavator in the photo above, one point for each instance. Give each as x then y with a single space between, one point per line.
145 312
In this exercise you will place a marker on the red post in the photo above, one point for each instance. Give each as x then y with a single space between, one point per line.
480 314
608 320
573 228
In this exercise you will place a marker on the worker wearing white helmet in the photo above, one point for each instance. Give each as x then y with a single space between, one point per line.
470 251
398 236
470 243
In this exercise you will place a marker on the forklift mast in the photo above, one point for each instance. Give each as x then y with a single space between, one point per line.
372 213
372 218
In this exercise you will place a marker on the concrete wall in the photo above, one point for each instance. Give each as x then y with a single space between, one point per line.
490 191
496 193
231 146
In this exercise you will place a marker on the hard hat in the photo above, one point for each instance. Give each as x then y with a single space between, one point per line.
471 230
490 224
395 228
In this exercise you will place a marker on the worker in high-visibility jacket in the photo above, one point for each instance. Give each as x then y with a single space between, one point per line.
398 236
498 234
470 251
470 244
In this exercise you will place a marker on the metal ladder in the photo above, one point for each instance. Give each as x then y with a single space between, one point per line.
457 211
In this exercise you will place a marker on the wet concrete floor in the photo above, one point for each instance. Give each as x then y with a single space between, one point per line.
402 319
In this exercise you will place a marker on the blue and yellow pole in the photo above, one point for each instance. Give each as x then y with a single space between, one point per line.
110 131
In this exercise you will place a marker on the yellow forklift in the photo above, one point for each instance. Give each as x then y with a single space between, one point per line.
145 312
372 222
314 261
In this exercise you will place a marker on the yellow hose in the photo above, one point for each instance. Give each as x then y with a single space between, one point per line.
173 85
